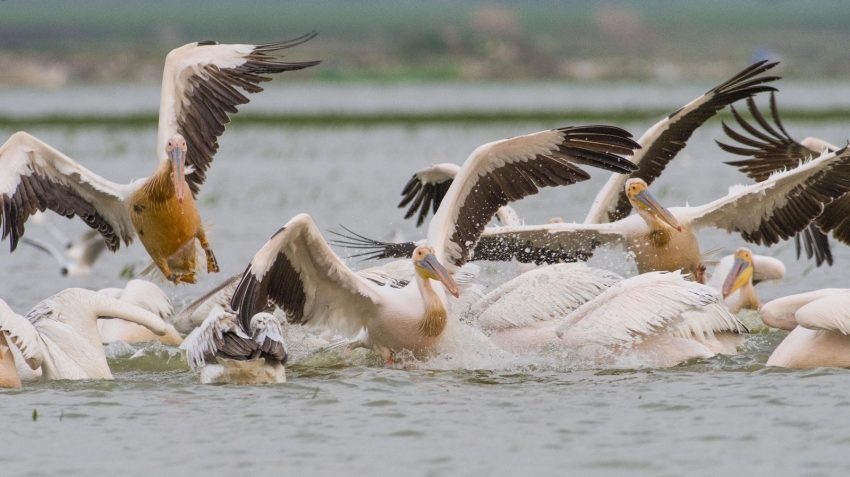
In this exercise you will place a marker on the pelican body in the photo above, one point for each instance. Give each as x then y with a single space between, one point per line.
201 85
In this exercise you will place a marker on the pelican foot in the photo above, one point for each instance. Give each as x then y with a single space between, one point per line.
188 278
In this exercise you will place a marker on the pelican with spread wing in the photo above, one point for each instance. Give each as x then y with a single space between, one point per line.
199 91
297 271
659 145
661 239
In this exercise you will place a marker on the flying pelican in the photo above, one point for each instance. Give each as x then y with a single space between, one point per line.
665 240
297 271
737 274
67 335
198 91
528 312
228 354
772 149
820 329
16 333
659 145
146 296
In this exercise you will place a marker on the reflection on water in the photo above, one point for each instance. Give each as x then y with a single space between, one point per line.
477 412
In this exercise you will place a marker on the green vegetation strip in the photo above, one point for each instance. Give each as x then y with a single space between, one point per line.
373 119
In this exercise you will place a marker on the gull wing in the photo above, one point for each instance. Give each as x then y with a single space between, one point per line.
35 177
199 91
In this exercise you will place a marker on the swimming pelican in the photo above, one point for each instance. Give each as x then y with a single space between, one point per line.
771 150
525 313
146 296
658 317
740 272
193 314
16 333
822 335
198 91
659 145
297 271
228 354
70 344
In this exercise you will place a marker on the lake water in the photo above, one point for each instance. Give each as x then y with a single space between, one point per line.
476 413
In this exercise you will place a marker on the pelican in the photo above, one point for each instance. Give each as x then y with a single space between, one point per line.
196 312
146 296
772 149
658 317
198 92
297 271
665 240
228 354
16 333
659 145
820 329
739 273
66 329
526 313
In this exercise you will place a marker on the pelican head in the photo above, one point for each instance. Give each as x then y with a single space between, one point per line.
427 266
643 201
741 273
176 150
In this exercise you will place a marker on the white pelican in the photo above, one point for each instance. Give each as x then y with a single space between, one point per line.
67 335
772 149
658 317
146 296
228 354
822 335
297 271
198 92
16 334
764 213
665 240
736 275
659 145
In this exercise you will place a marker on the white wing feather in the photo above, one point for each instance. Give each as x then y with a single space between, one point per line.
22 335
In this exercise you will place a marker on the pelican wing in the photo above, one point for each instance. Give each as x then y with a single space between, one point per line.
34 176
426 189
829 313
22 334
703 322
539 243
197 311
504 171
635 307
148 296
199 90
204 342
297 271
541 295
779 207
267 333
661 142
771 149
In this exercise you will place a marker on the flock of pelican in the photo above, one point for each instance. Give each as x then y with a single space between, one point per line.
671 311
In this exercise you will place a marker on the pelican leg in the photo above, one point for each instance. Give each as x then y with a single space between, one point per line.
212 264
